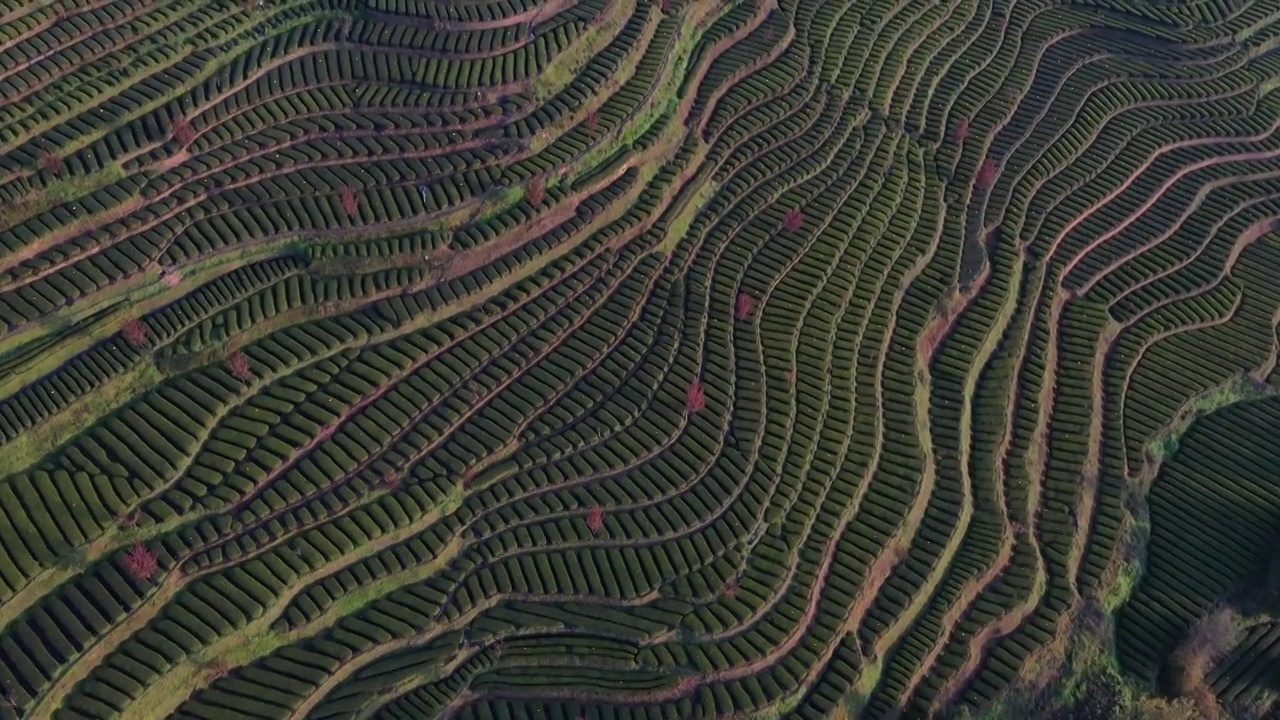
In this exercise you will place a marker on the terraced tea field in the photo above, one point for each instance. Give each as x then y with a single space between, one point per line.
623 360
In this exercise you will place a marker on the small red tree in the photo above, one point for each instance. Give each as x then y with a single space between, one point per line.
696 397
744 307
350 203
49 161
987 174
794 220
141 563
687 685
134 332
238 363
183 133
667 6
595 520
537 191
730 589
593 120
391 481
961 131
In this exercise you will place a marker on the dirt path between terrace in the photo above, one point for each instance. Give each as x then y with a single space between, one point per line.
978 644
50 698
33 32
1245 239
974 588
940 326
1141 210
111 542
1091 468
47 581
1255 231
763 662
137 202
405 223
47 242
549 8
22 11
718 49
471 260
349 667
733 80
475 258
1184 411
456 269
159 700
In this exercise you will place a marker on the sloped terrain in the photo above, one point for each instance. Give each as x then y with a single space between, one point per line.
596 359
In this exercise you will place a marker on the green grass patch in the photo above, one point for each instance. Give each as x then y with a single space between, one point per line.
1126 582
1239 389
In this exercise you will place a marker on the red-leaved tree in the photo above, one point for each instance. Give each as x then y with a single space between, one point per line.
134 332
696 397
238 363
537 191
350 203
391 481
593 120
961 131
49 161
141 563
183 133
730 589
667 6
744 307
794 220
595 520
987 174
687 685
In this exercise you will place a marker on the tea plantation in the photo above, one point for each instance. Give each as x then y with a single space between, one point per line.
639 359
